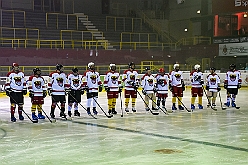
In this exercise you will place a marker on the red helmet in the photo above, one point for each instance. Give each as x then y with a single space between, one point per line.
161 70
15 65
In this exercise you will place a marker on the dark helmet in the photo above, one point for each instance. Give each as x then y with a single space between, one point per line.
59 66
35 70
147 68
232 66
75 70
130 64
212 68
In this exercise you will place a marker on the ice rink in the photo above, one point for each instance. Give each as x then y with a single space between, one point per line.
202 137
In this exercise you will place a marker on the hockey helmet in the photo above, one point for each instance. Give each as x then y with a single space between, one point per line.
15 65
75 70
131 64
197 67
212 68
147 68
91 65
112 67
59 66
176 66
232 66
161 70
37 71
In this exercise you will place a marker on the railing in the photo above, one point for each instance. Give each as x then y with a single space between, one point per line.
124 19
57 19
16 36
13 16
133 36
81 33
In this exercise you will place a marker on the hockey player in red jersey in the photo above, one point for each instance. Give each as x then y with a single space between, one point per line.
131 81
37 93
196 77
232 84
112 85
57 88
92 84
162 87
76 90
15 88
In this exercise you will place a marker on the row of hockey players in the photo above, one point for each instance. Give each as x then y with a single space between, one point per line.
74 85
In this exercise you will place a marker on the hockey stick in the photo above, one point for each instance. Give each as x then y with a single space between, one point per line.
58 107
155 103
34 121
208 100
46 114
223 108
108 116
146 103
80 104
121 106
183 104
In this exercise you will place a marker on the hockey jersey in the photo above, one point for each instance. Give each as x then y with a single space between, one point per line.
36 85
16 81
92 80
58 82
130 77
176 78
162 83
76 82
233 79
148 83
112 80
213 81
196 79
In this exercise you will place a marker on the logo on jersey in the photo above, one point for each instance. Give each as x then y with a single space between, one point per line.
114 79
93 78
162 82
18 81
37 84
213 81
178 77
150 82
60 81
75 82
132 77
232 77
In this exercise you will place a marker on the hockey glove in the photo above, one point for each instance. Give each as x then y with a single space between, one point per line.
44 94
86 88
225 86
8 91
67 90
107 89
201 82
170 88
239 86
100 88
49 90
207 87
31 94
218 88
130 82
136 87
120 89
24 92
183 87
155 90
144 92
82 92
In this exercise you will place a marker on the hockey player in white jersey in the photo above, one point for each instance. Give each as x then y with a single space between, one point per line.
37 93
57 87
232 84
197 81
131 81
15 88
92 84
148 84
212 86
76 90
113 87
162 87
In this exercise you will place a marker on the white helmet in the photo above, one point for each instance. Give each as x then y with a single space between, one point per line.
111 66
90 64
175 65
197 66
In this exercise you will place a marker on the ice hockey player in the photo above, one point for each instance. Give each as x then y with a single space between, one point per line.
37 93
232 84
197 81
92 84
112 85
176 86
15 88
76 90
131 81
57 87
212 86
148 84
162 80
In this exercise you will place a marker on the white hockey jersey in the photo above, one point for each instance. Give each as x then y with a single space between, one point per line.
196 79
36 85
112 80
148 83
58 82
76 82
162 83
92 80
129 77
176 78
233 79
213 81
16 81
